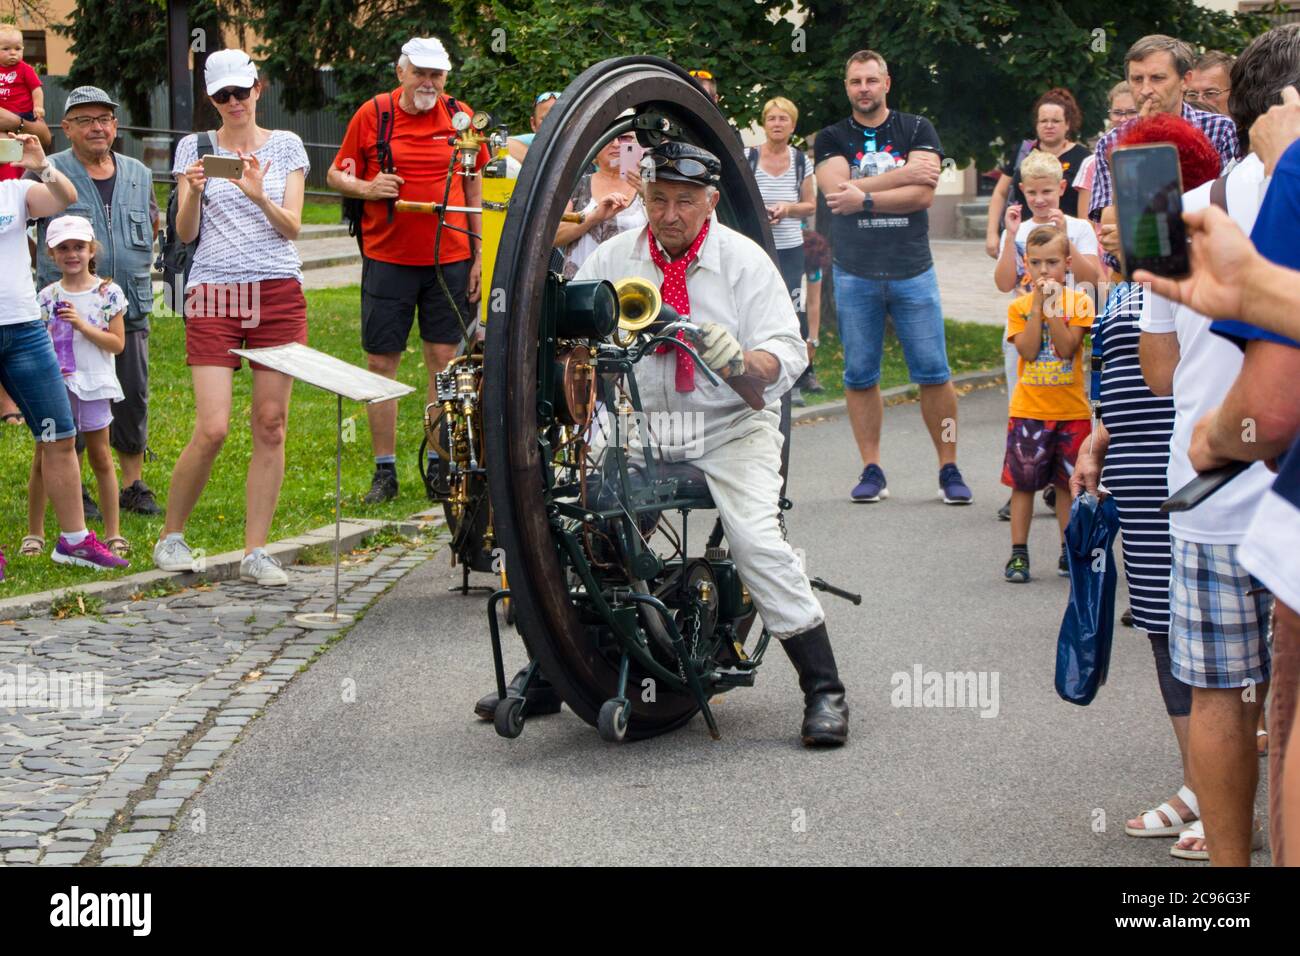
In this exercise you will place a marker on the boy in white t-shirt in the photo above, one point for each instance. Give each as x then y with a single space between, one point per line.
1042 180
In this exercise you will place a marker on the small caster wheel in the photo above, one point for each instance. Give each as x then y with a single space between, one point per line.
612 722
509 717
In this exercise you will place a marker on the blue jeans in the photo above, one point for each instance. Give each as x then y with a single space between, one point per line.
861 305
30 374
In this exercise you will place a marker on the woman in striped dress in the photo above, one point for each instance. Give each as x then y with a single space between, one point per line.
785 183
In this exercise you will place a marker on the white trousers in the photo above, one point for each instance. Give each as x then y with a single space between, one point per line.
744 476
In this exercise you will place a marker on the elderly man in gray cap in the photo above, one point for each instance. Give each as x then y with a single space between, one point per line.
115 193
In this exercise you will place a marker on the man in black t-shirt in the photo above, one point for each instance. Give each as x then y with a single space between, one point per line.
878 170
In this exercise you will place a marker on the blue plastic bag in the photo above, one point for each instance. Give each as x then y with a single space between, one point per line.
1083 646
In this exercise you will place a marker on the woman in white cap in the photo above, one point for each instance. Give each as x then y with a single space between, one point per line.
29 370
244 291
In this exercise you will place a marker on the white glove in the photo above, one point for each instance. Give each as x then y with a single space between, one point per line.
720 350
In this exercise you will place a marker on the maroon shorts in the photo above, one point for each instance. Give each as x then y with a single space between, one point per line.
1042 453
222 316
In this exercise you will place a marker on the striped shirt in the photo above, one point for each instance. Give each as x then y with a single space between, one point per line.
784 188
1140 425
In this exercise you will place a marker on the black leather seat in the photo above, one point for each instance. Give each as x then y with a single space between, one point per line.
691 483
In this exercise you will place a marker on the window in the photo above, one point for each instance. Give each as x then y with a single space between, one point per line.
34 50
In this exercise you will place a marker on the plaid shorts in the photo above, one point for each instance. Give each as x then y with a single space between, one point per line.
1218 628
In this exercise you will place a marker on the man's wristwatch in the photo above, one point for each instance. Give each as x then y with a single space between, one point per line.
868 203
47 172
812 342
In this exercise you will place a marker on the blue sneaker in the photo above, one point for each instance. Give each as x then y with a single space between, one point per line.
952 489
1017 569
871 486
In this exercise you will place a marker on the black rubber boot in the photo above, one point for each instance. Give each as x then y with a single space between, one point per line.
542 698
825 713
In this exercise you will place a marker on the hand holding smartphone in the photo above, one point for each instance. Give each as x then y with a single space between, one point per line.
1149 204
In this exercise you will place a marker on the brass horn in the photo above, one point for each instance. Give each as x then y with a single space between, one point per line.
639 307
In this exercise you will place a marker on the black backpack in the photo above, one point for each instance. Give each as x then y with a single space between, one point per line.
354 207
176 257
800 163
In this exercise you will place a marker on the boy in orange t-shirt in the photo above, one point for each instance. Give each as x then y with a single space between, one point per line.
1050 415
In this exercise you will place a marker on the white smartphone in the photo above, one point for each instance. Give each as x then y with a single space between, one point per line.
629 158
11 150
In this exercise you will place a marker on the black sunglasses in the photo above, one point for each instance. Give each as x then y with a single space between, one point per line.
240 93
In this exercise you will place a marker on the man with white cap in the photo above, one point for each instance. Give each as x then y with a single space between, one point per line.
115 193
398 145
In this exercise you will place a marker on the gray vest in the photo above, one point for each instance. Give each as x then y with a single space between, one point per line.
127 253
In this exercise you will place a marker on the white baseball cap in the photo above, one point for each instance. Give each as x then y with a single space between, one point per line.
228 68
427 53
69 227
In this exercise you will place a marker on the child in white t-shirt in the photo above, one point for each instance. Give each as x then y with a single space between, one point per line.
85 317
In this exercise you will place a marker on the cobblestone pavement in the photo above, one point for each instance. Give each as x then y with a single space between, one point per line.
120 718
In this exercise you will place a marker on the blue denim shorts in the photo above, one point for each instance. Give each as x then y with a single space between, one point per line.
30 374
862 304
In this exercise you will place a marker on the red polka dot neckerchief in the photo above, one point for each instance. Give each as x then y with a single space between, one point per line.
673 290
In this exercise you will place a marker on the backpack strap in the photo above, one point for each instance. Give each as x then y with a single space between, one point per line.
800 167
385 120
751 154
1219 192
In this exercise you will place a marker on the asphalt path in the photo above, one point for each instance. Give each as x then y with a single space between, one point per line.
404 774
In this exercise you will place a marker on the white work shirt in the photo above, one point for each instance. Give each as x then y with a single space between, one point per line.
734 283
1208 364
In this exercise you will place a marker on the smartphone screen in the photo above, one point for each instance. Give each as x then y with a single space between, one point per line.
1149 206
223 167
11 150
629 158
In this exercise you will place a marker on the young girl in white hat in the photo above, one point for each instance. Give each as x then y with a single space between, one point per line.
85 317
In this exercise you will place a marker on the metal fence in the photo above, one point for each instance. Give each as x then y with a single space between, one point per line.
154 145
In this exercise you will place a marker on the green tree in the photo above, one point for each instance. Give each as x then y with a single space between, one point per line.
975 67
505 53
121 47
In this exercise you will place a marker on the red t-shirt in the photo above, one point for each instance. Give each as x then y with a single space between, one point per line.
420 156
16 85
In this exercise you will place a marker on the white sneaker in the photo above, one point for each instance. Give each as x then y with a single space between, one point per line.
173 554
260 568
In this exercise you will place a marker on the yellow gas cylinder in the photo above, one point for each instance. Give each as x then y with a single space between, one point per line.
496 197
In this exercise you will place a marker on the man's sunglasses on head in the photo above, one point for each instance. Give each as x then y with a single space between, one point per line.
701 74
543 97
684 165
240 93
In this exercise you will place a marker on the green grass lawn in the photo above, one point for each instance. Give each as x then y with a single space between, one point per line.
971 346
307 498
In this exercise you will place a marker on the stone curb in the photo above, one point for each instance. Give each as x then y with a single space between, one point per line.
892 396
217 567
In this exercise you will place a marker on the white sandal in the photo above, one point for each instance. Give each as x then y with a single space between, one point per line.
1153 826
32 545
1195 832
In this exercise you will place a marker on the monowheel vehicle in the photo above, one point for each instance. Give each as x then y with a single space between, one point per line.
635 630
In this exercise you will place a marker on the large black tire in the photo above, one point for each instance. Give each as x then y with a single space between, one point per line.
546 620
